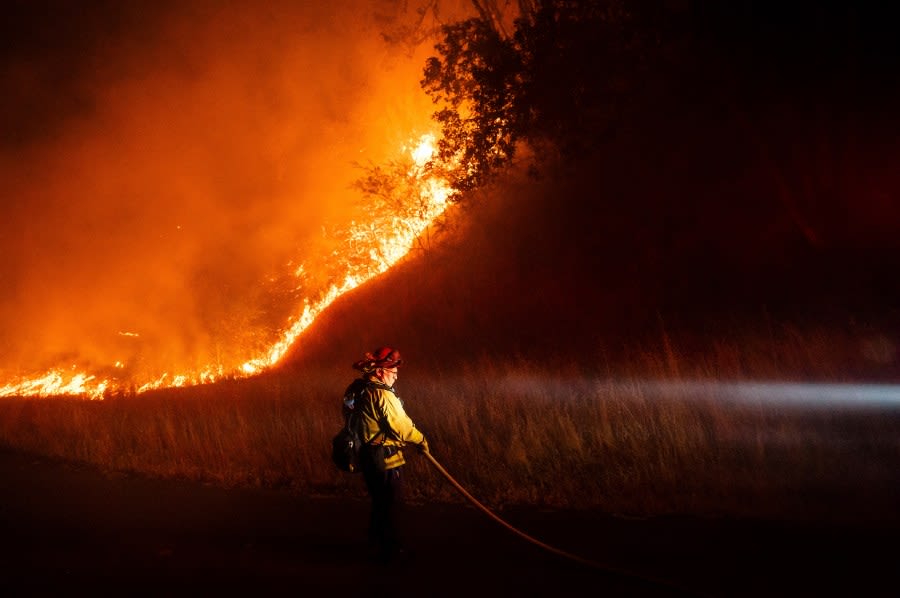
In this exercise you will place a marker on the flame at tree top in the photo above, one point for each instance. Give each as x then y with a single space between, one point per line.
369 248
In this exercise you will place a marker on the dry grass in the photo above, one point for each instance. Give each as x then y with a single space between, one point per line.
645 438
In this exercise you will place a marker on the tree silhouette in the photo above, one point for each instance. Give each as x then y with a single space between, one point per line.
479 81
557 81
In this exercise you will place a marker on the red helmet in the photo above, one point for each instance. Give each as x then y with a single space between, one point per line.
382 357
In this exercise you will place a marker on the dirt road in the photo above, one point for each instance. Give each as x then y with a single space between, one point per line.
73 529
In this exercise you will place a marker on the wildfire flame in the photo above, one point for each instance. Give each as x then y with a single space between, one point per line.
381 244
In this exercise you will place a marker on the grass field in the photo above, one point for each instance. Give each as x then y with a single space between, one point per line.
660 434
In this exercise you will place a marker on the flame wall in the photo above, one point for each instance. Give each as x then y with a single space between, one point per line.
163 167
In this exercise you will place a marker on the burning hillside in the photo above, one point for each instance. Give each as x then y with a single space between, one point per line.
368 248
179 199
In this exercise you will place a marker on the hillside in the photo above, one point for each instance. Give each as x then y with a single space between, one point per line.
647 332
746 184
650 236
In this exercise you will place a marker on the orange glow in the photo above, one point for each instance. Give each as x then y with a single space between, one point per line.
381 243
385 248
180 206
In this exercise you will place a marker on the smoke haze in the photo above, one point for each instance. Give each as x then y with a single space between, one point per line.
161 169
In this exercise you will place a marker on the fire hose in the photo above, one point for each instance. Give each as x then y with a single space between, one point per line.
492 515
535 541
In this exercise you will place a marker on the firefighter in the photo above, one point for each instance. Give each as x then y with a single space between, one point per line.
384 427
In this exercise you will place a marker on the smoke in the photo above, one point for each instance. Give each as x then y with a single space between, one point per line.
164 170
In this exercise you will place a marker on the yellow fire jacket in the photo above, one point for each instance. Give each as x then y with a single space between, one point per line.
382 420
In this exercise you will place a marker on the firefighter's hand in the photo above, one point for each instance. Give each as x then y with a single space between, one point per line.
423 447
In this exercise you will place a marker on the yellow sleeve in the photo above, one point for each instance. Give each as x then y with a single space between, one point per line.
400 426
